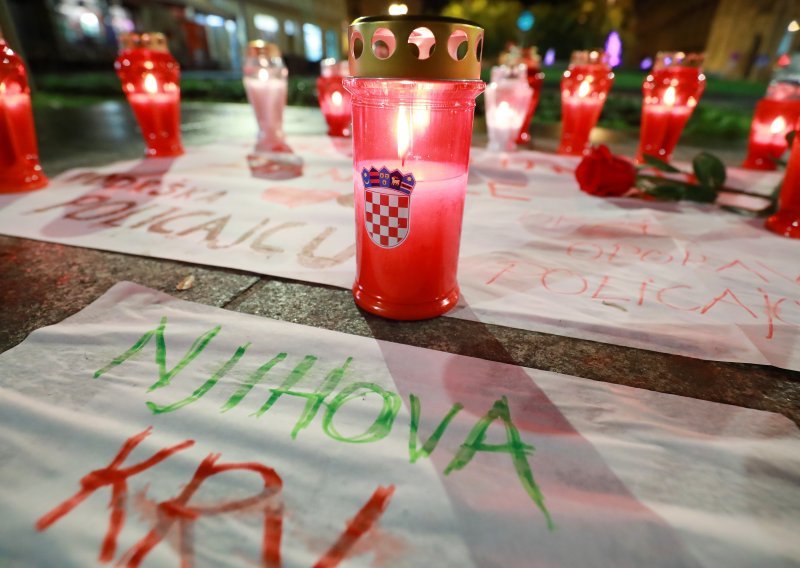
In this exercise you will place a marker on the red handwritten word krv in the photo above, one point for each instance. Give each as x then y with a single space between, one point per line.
177 514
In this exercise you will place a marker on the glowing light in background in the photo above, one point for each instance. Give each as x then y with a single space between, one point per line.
525 21
614 49
398 9
646 63
794 26
550 57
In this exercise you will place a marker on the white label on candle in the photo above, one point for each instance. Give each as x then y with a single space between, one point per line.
387 205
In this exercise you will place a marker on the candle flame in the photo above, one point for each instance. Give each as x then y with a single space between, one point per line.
150 84
263 74
669 96
504 114
336 99
778 126
403 133
584 89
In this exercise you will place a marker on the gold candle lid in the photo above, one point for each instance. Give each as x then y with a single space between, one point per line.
154 41
415 47
261 48
588 57
129 41
678 59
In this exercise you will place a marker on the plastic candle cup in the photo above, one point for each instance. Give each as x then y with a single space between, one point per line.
533 64
507 99
414 83
266 85
775 116
786 221
150 78
19 155
334 99
671 91
584 88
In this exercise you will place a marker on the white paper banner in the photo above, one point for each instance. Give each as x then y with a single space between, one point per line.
148 430
536 253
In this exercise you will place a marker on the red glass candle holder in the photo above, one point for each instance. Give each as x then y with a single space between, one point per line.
150 78
531 59
267 87
19 155
334 99
671 91
414 88
584 88
786 221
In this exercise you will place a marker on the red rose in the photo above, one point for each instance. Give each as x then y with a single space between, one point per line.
604 174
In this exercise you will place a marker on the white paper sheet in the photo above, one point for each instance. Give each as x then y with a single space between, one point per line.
624 477
536 253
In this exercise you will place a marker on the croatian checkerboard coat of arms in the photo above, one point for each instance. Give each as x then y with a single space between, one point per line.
387 205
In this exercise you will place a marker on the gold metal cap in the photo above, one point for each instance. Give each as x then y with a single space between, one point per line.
129 41
678 59
415 47
154 41
588 57
261 48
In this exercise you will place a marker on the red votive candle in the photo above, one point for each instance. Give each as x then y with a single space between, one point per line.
584 88
671 91
334 100
150 79
533 63
19 155
775 116
413 108
786 221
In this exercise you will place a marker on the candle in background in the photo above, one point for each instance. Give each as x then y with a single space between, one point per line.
19 154
533 64
150 78
584 88
334 100
414 86
775 116
671 91
266 84
786 221
507 100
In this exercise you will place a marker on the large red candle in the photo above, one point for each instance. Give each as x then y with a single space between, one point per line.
775 116
584 88
334 100
533 63
150 79
671 91
786 221
19 155
412 126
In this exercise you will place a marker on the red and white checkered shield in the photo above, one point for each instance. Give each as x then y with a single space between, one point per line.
387 216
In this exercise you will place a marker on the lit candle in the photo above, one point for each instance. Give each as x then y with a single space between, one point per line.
772 121
507 98
334 100
584 88
150 78
532 61
19 154
266 85
412 127
671 92
786 221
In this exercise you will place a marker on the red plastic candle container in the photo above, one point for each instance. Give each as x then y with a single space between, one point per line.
671 91
19 155
775 116
531 59
584 88
786 221
414 84
150 79
267 87
334 99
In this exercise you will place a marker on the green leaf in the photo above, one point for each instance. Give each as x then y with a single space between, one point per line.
709 170
654 162
790 137
701 194
667 191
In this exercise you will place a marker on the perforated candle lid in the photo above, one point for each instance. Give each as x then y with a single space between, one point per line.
154 41
415 47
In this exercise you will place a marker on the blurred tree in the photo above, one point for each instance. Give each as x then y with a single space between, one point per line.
497 17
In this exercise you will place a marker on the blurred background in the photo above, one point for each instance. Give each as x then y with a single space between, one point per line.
70 45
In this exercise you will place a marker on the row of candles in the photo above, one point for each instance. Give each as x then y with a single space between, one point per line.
410 109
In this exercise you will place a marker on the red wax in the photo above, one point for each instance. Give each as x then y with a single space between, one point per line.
415 136
19 155
786 221
773 119
150 79
535 81
584 89
334 101
670 95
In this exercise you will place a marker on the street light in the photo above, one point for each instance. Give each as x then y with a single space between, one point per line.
398 9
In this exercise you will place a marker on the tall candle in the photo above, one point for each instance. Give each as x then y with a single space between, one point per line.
19 155
786 221
334 100
584 88
266 85
507 98
671 93
531 59
772 121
